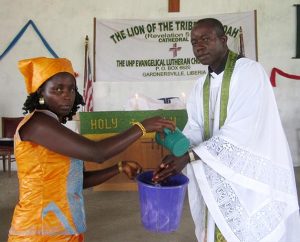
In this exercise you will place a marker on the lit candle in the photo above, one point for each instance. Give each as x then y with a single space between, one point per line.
183 97
136 102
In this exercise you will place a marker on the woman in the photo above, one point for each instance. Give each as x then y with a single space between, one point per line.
50 156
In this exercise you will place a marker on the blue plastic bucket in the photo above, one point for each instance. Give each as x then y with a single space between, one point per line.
161 206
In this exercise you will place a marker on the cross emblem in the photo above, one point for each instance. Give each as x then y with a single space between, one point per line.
174 49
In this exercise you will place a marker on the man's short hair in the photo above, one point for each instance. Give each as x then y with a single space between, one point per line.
214 23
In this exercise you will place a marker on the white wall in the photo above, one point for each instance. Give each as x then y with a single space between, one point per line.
65 23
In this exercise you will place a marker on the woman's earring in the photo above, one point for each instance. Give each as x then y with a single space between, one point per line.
41 101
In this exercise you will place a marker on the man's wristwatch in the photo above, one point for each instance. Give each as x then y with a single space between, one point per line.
191 155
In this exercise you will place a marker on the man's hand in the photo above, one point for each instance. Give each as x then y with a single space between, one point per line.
170 165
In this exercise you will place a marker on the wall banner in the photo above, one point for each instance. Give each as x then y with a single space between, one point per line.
160 50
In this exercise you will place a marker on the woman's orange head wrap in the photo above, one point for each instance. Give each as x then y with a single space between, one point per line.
38 70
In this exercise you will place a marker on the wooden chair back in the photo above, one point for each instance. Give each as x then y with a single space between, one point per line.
9 126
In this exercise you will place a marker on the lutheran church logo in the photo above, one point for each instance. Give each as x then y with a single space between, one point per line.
175 49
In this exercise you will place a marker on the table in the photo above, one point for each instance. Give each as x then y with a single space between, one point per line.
103 124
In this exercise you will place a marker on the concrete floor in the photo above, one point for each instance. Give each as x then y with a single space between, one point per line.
111 216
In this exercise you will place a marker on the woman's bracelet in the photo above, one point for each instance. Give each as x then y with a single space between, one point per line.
120 166
141 127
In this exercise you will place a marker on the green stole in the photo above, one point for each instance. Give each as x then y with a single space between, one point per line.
230 63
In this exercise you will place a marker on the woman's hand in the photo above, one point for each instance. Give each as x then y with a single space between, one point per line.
158 124
131 169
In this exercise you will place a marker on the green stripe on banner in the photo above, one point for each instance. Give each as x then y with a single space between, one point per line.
106 122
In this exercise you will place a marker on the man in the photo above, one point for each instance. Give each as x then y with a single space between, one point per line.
242 184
